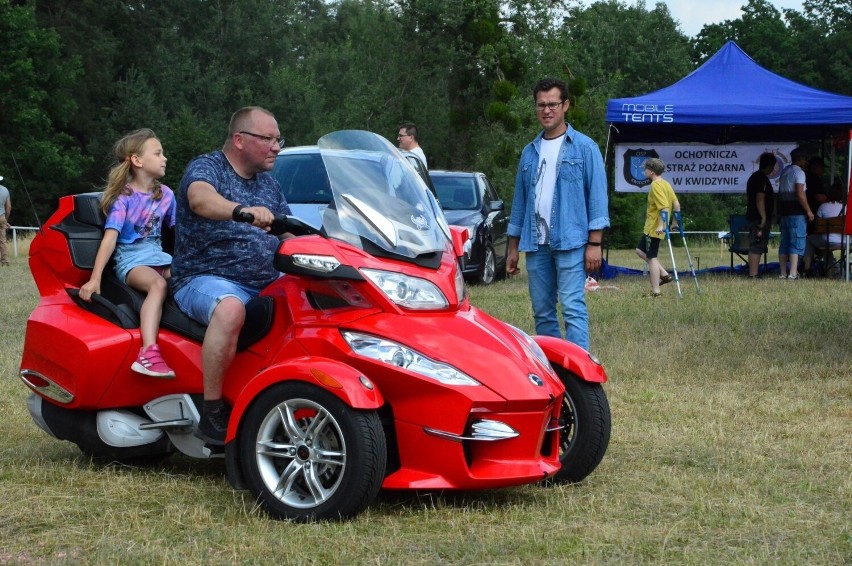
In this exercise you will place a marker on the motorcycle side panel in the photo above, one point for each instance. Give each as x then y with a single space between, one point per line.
78 351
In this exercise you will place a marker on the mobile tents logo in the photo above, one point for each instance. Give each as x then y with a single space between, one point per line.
634 170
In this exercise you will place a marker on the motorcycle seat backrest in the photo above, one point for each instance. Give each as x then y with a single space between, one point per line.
122 303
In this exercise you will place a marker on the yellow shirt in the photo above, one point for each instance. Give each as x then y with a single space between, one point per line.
661 197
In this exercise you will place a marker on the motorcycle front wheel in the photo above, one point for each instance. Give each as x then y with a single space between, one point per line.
585 422
308 456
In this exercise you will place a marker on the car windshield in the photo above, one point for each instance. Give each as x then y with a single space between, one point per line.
378 197
302 178
456 192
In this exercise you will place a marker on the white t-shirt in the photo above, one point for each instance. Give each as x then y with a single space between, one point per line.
830 210
545 185
418 151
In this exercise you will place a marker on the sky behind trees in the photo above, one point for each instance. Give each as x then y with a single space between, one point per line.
695 14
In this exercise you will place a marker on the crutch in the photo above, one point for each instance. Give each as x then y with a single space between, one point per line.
664 215
679 218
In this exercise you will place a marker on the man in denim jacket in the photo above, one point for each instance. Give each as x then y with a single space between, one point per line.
559 213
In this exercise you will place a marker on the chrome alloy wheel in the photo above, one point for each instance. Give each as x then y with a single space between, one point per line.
301 453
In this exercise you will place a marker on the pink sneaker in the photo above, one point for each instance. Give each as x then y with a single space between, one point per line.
151 362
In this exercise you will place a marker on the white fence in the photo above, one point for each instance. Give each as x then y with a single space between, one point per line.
14 230
36 229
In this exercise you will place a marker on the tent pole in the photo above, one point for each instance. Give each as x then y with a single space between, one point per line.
848 229
608 134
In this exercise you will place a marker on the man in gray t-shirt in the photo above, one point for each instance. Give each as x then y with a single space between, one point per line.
5 211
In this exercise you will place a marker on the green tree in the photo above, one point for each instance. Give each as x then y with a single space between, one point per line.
36 98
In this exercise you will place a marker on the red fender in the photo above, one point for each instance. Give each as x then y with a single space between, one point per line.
337 378
573 358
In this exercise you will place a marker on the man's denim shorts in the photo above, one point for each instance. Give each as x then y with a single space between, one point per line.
200 295
793 233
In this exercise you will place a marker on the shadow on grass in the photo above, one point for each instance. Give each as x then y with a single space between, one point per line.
398 502
388 502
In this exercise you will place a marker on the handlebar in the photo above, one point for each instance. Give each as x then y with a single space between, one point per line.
282 224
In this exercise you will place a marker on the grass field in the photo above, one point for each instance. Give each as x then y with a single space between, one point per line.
730 444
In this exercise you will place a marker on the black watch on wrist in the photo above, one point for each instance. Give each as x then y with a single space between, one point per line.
235 215
593 244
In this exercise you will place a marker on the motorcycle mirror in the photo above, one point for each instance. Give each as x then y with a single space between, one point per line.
460 236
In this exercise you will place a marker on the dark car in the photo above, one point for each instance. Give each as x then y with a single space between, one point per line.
301 174
469 200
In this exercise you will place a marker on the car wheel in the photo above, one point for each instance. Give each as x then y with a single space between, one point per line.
308 456
501 267
585 427
488 271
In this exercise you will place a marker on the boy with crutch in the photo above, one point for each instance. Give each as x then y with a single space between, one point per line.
661 198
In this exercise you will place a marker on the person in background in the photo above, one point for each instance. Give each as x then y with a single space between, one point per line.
760 203
816 192
220 263
5 211
661 197
137 206
831 208
409 140
559 213
793 214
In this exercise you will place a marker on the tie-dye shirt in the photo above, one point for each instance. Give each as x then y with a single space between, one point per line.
137 216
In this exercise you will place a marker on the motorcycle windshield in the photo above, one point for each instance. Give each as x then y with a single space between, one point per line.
379 197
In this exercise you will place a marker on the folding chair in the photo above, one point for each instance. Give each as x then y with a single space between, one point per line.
737 237
828 227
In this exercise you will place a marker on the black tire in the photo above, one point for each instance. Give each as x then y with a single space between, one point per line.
586 425
488 271
292 478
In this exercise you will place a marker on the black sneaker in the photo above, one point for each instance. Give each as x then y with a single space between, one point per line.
213 425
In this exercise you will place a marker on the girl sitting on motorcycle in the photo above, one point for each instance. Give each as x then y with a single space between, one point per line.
136 206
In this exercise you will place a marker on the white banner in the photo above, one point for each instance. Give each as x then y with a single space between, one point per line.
696 167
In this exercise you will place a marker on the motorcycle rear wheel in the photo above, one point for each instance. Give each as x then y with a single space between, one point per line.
308 456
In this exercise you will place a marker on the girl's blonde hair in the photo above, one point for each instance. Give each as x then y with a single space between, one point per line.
121 172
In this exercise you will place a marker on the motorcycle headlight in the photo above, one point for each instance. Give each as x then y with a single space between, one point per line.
406 291
396 354
532 345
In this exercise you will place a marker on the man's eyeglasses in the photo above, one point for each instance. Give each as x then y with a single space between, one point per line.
541 106
270 140
404 136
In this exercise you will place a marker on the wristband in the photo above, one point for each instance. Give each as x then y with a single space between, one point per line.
593 244
235 215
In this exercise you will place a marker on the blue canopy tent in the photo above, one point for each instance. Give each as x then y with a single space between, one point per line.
729 99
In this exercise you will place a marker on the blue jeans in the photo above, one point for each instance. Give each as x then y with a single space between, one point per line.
559 274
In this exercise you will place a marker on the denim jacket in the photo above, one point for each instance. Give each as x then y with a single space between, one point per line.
579 201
